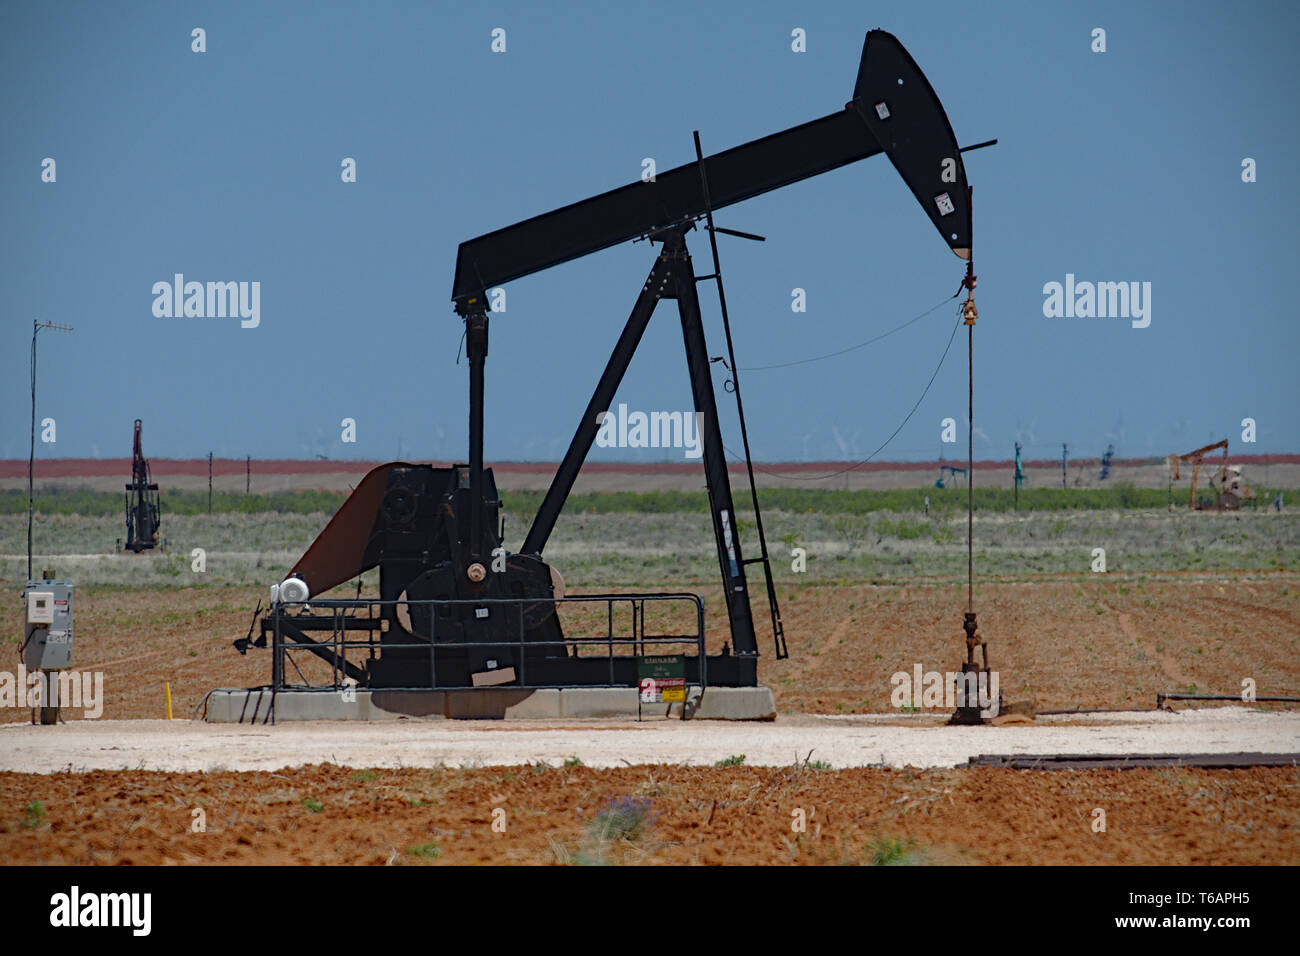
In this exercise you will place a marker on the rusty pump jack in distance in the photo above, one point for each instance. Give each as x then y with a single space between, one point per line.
1230 490
433 532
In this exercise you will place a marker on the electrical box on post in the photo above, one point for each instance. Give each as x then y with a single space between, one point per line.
40 607
47 643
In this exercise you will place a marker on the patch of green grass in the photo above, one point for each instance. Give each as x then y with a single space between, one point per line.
905 530
365 776
886 851
313 805
943 501
735 760
427 851
590 856
574 761
34 814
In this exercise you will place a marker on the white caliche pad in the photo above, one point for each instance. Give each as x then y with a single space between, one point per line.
182 745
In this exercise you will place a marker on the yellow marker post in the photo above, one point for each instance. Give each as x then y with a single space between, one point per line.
169 700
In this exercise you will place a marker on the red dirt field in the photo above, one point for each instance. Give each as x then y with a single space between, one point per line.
1059 642
326 814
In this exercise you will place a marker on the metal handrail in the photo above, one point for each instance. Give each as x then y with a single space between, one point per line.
339 644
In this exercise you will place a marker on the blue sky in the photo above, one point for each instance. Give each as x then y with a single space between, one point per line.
225 165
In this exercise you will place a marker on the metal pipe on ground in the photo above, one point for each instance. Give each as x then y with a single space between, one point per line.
1161 698
1131 761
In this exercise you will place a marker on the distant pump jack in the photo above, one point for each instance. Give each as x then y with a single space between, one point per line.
143 516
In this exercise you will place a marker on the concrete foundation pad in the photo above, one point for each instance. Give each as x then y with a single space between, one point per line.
236 706
729 703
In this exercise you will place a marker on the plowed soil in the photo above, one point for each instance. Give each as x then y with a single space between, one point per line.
1101 641
1066 643
653 815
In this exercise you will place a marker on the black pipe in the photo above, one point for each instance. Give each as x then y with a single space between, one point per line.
476 346
1237 697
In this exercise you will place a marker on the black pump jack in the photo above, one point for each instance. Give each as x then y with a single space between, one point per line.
894 110
433 531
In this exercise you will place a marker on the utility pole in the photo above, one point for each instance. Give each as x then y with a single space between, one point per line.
31 455
248 473
1064 448
209 482
1020 477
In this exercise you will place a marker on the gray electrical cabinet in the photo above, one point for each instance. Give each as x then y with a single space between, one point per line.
47 644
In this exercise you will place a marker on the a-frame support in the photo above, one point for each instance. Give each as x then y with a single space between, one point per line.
673 277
